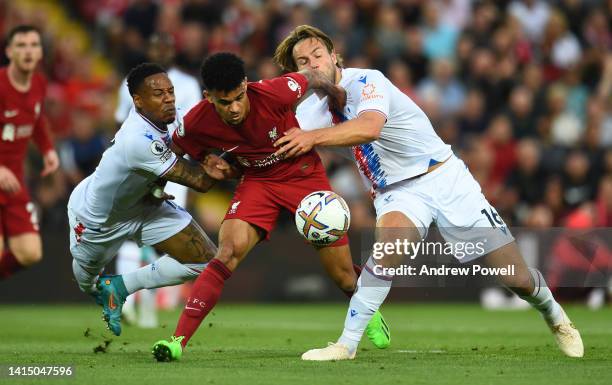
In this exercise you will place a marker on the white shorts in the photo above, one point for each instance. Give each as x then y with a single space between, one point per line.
450 197
95 248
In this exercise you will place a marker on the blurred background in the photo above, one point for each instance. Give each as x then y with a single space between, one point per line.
521 89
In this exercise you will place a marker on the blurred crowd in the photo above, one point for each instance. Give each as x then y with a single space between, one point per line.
521 89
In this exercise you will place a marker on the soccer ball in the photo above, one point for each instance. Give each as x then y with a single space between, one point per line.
322 217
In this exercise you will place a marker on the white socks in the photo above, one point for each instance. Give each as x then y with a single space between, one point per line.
543 300
166 271
369 295
372 290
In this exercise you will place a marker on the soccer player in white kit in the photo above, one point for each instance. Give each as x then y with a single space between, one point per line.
188 93
123 199
415 180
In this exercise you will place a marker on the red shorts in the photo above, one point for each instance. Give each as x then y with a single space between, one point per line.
18 218
259 202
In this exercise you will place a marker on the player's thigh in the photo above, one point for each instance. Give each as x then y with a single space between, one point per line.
236 239
190 245
160 224
392 228
94 256
27 248
20 224
464 216
94 249
403 214
255 203
404 205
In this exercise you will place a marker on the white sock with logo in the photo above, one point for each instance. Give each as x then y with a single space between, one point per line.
369 295
543 300
166 271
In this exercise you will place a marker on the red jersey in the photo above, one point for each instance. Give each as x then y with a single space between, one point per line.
271 114
21 118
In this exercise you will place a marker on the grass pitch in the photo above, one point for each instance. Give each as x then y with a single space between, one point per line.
262 344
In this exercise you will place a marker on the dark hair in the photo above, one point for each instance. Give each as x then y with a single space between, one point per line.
222 71
21 29
139 73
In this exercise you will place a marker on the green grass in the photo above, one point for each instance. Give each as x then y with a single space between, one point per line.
261 344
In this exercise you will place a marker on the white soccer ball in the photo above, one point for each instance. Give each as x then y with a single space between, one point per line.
322 217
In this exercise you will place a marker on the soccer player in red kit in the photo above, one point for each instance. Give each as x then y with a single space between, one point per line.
245 119
22 93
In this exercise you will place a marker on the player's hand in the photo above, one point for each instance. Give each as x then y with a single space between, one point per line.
158 192
218 168
8 181
158 195
51 163
295 142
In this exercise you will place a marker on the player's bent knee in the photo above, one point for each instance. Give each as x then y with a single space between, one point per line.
232 252
228 256
521 284
521 287
84 279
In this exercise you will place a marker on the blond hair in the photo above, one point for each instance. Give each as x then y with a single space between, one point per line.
283 56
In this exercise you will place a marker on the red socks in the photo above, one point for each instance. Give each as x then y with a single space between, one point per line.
9 265
204 296
357 269
202 299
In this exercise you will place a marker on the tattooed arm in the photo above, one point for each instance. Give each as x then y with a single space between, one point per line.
201 176
190 174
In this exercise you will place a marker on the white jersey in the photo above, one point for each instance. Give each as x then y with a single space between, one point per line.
114 193
188 93
408 144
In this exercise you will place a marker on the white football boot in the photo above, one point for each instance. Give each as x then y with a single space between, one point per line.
333 352
567 337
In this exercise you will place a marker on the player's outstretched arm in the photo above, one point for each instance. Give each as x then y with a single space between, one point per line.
363 129
318 81
190 174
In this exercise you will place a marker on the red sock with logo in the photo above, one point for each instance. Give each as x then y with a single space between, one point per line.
357 269
9 265
202 299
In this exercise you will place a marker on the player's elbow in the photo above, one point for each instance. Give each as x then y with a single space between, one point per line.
373 134
372 123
